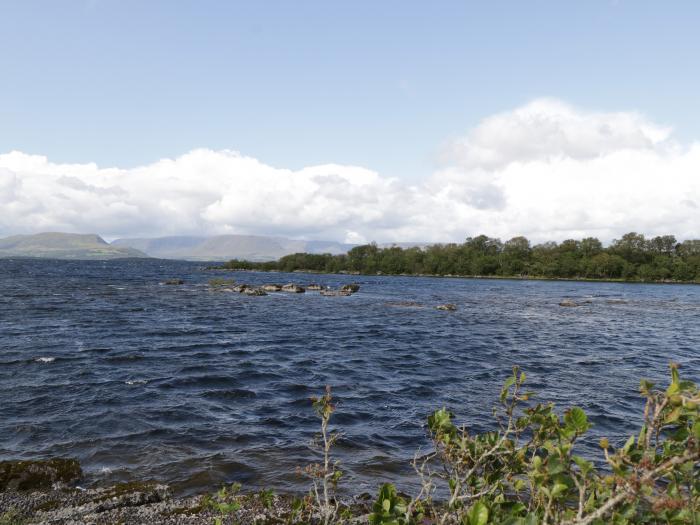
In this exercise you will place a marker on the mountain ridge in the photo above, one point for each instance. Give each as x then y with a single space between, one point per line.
60 245
226 247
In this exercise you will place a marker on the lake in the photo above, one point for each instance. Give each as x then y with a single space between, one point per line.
100 361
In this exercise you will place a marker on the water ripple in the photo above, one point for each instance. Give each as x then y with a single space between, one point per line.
101 361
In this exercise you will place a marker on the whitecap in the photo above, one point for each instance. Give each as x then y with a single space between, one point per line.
45 359
136 382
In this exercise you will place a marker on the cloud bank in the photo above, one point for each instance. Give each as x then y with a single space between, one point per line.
546 170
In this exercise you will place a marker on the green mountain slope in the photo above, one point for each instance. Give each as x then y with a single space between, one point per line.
64 246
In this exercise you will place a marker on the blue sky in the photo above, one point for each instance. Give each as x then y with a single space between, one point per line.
357 121
382 84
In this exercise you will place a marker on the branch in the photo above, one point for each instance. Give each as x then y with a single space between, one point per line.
630 490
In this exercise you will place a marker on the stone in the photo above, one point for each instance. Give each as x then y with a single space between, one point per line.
293 288
447 306
568 303
352 288
39 474
254 291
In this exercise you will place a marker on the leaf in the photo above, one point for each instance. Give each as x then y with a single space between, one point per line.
645 386
583 464
557 489
628 445
576 419
506 386
673 416
696 430
478 514
674 373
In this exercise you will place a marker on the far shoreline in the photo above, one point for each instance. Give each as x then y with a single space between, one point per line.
470 277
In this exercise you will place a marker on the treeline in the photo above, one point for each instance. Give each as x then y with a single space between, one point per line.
632 257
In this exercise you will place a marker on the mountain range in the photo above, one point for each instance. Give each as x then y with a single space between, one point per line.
226 247
55 245
258 248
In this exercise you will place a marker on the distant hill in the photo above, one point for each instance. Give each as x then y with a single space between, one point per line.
226 247
64 246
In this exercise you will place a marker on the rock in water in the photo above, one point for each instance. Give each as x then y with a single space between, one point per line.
406 304
254 291
352 288
335 293
293 288
38 475
174 281
568 303
314 286
240 288
272 287
447 306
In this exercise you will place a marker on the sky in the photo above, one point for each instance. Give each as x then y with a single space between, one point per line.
350 121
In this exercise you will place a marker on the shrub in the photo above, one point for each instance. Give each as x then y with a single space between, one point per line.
528 472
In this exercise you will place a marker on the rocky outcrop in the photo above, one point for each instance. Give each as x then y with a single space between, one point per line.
447 307
293 288
335 293
314 286
272 287
38 475
352 288
254 291
569 303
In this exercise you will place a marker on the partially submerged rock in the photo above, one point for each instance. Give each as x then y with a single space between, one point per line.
39 474
240 288
616 301
272 287
569 303
352 288
405 304
314 286
293 288
447 306
173 281
254 291
335 293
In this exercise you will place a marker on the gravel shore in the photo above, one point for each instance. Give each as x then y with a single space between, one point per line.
138 503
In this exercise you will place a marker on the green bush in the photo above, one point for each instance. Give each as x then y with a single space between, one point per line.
528 471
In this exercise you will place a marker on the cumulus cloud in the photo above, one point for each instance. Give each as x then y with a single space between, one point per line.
546 170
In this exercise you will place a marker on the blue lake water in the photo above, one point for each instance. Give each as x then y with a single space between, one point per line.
100 361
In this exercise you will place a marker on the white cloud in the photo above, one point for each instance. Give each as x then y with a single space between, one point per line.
545 170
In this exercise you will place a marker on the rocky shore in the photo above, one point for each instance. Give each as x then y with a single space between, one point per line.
48 492
134 503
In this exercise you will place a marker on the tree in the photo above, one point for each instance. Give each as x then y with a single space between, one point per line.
664 244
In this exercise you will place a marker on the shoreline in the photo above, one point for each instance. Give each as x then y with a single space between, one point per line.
147 502
470 277
49 491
